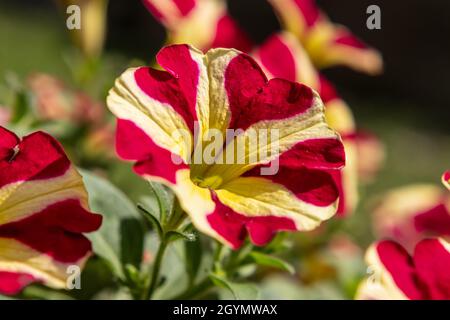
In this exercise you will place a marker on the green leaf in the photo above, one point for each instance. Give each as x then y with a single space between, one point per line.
165 200
153 220
240 291
176 235
271 261
120 238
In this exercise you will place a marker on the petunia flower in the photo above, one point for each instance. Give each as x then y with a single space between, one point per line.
327 44
282 56
204 24
446 179
226 89
411 213
43 213
395 275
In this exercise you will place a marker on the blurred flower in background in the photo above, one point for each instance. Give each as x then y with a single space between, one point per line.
56 101
412 213
327 44
395 274
204 24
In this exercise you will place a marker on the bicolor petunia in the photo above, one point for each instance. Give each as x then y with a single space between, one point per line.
396 275
411 213
282 56
326 43
204 24
226 89
43 213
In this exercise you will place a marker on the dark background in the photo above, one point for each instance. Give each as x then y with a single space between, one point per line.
414 41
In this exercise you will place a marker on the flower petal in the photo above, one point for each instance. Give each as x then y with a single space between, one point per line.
297 199
392 269
154 162
432 261
169 12
43 211
291 111
397 275
282 56
446 179
12 283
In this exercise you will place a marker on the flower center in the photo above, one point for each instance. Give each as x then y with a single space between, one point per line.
212 182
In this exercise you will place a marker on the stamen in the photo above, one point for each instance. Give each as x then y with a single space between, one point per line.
15 152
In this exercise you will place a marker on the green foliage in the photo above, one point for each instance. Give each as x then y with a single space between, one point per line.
120 238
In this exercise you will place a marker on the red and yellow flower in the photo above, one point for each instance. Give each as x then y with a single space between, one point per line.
204 24
395 275
43 213
326 43
282 56
226 89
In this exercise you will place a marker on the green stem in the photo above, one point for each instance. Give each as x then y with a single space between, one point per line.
156 269
195 291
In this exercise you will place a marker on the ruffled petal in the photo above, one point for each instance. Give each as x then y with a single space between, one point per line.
43 213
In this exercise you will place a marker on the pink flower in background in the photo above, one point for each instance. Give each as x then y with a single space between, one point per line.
395 274
204 24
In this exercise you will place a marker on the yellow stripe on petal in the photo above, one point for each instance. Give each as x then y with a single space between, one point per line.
281 136
259 197
290 16
21 199
19 258
158 120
